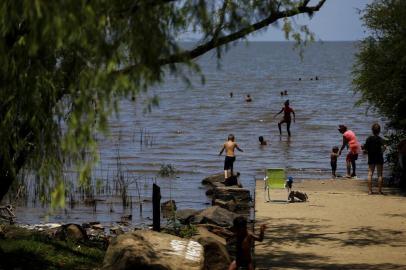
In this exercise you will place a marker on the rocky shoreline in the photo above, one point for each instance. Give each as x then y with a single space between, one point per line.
191 239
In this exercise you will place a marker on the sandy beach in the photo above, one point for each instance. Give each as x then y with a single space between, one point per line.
340 227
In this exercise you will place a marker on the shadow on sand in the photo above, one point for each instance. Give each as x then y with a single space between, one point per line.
306 232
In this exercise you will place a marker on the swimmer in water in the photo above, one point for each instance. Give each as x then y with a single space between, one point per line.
248 98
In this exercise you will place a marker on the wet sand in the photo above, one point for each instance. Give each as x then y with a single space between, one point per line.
340 227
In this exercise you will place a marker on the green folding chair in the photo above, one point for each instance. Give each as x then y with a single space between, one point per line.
275 178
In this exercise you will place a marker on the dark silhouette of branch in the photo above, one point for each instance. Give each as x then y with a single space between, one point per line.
219 41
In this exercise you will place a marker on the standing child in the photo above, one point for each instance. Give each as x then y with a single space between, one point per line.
333 160
374 146
229 146
245 240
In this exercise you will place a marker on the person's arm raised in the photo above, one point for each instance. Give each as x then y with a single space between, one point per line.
261 236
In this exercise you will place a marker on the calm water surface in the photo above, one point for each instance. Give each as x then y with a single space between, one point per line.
191 123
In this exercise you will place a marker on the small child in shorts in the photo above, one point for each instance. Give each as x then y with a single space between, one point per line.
333 160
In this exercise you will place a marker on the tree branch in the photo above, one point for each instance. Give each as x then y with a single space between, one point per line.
214 43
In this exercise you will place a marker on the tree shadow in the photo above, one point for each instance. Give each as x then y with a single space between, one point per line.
292 260
307 232
367 236
403 215
294 233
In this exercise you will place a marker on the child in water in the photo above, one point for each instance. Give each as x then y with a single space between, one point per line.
245 240
333 160
262 141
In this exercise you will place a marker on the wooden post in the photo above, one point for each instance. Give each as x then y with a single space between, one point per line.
156 208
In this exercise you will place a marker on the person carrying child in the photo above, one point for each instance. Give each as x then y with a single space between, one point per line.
374 147
245 240
229 146
333 160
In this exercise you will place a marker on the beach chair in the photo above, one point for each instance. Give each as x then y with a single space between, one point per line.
275 178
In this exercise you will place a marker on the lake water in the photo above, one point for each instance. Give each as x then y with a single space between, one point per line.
190 125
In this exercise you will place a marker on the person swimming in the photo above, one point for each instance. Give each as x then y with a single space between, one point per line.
248 98
262 141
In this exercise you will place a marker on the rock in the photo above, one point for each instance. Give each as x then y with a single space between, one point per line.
145 249
116 230
215 178
229 205
94 222
215 215
210 192
73 232
215 251
126 218
221 232
218 184
185 215
168 208
232 193
97 227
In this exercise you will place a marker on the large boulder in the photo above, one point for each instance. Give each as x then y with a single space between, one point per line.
232 193
215 178
215 215
151 250
216 256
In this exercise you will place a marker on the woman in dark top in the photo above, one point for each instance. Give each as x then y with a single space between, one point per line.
375 146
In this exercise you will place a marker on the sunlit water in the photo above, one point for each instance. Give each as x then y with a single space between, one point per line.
190 124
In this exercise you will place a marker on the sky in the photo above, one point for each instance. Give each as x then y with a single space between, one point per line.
337 20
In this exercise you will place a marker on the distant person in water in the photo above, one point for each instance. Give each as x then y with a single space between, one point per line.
231 94
350 141
229 146
374 147
281 93
317 78
333 160
285 92
286 117
248 98
300 79
244 243
262 141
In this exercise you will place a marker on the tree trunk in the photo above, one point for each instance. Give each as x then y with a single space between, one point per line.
5 182
9 171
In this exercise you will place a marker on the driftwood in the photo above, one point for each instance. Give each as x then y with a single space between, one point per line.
7 213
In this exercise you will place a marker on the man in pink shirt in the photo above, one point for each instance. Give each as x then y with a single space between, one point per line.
350 140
